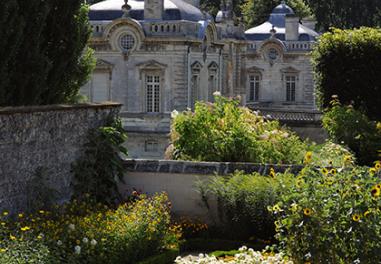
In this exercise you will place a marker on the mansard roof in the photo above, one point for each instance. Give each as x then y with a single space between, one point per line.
277 20
173 10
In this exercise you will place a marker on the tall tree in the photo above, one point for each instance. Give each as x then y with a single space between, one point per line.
346 13
347 63
42 46
255 12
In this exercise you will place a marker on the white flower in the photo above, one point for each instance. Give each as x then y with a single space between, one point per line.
85 240
217 93
59 243
77 250
174 114
72 227
93 242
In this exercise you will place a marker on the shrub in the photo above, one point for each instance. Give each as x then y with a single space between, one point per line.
242 203
331 215
223 131
85 233
351 127
346 63
100 168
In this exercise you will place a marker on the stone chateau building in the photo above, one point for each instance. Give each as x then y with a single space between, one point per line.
155 56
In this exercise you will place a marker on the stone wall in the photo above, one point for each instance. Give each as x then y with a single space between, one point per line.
43 141
179 179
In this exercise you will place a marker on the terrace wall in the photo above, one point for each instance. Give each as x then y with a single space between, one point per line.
179 180
43 142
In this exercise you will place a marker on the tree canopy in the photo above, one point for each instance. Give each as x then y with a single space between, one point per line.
346 13
255 12
43 51
347 64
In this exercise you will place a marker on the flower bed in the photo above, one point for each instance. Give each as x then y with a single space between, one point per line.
85 233
245 255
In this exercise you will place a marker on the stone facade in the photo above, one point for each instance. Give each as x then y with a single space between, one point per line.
47 139
157 56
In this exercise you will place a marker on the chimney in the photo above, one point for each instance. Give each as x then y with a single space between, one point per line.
310 23
153 9
292 27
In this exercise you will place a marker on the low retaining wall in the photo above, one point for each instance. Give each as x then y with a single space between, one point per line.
178 179
43 141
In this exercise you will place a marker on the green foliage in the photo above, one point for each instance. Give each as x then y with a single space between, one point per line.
346 64
242 203
346 13
331 216
43 62
99 170
348 126
223 131
256 12
86 232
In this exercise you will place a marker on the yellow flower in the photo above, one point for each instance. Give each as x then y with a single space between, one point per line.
41 211
21 215
372 171
324 171
2 250
333 171
356 217
272 173
3 223
377 166
375 191
366 213
5 213
25 228
378 126
276 208
307 211
329 180
347 159
12 237
308 157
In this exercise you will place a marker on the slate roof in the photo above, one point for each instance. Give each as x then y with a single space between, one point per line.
278 20
173 10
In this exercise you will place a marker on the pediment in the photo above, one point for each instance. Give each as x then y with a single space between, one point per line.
103 65
290 69
254 69
151 64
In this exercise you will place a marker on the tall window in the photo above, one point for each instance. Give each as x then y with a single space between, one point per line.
153 93
254 84
212 80
290 88
195 83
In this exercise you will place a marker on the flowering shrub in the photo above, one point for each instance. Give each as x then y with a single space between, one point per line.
223 131
331 215
80 233
245 256
351 127
190 228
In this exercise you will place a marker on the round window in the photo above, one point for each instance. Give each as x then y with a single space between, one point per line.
273 54
127 42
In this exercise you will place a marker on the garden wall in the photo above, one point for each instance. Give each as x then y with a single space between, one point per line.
38 146
178 179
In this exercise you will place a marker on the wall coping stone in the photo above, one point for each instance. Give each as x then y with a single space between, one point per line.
204 168
58 107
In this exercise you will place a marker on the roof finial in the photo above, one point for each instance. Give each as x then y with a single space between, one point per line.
283 2
272 32
126 9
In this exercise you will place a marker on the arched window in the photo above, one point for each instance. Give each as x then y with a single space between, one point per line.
212 80
195 83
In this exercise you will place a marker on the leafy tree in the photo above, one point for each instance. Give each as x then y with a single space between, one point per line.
346 13
347 63
256 12
42 46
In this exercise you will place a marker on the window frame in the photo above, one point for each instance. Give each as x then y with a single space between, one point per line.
257 86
